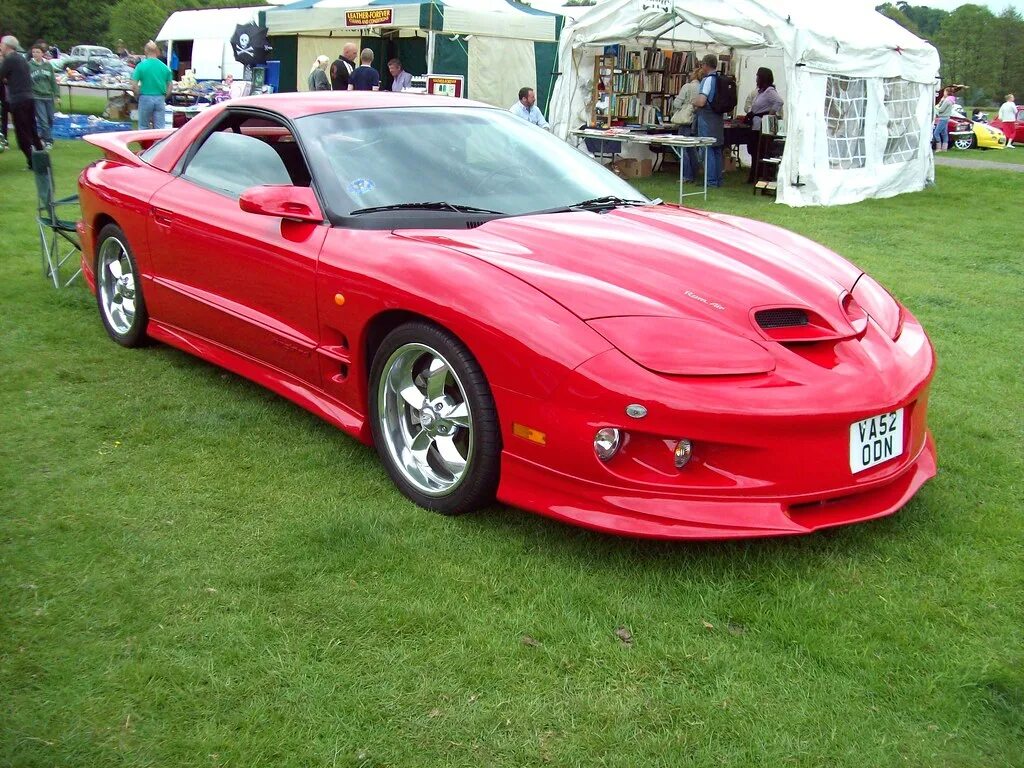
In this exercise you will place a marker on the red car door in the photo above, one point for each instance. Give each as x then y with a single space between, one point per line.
246 281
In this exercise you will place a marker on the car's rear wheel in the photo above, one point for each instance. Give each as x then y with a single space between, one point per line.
433 419
965 142
119 289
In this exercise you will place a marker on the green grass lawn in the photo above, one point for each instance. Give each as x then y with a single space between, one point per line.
194 572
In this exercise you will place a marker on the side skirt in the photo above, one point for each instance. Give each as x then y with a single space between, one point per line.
300 392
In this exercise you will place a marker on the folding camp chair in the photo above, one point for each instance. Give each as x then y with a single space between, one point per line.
58 237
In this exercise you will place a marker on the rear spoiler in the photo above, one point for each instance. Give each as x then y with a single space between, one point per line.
116 146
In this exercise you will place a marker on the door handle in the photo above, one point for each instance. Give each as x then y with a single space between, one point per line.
162 218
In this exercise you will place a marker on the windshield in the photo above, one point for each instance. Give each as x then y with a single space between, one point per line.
484 158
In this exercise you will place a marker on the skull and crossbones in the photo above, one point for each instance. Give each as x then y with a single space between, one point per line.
243 46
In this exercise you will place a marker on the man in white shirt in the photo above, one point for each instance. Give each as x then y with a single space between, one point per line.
1008 115
526 108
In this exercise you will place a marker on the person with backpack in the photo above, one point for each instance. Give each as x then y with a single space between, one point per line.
716 98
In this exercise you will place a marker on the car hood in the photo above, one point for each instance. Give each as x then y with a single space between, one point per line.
664 261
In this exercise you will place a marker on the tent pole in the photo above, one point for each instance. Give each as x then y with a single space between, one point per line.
430 51
551 86
654 43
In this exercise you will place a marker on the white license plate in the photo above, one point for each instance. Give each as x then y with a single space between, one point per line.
875 440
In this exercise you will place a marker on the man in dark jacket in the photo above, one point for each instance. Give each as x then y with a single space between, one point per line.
3 116
15 74
342 67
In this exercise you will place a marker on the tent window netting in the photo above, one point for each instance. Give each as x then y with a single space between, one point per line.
846 102
903 128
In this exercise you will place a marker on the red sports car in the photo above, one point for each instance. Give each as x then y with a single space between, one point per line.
500 316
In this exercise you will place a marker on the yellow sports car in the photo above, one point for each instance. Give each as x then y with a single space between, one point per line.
967 134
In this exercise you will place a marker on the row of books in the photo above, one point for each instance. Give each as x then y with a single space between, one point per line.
659 60
635 82
662 102
618 107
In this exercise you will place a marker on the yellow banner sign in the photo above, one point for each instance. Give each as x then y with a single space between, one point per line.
369 17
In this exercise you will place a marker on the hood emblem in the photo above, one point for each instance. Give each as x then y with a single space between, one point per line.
702 300
636 411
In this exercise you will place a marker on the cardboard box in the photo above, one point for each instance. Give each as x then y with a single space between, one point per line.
631 168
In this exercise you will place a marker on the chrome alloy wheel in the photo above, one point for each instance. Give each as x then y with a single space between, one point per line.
116 283
425 419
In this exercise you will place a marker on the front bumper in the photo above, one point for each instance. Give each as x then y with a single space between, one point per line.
647 515
771 454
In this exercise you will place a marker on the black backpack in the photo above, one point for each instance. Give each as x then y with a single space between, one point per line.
725 94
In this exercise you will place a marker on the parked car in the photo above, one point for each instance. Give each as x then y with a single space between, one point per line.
570 347
965 133
89 51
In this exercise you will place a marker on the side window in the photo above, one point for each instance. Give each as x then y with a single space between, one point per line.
247 152
902 128
845 108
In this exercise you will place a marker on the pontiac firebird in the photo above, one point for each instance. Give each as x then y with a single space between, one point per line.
502 317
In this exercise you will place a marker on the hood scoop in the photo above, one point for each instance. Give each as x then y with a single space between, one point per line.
795 325
770 319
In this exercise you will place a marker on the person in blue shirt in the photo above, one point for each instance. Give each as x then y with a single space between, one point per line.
364 77
400 79
709 122
526 108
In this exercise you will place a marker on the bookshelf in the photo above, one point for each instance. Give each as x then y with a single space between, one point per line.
633 85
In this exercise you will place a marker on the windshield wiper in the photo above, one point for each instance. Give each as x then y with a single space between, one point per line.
605 202
435 206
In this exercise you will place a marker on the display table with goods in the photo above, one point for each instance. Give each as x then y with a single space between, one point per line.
674 142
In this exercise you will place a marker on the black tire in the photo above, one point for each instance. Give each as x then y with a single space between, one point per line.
964 143
483 463
131 332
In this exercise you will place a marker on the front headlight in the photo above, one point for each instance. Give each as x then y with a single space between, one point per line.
880 305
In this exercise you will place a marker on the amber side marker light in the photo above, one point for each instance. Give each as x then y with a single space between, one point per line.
339 299
528 433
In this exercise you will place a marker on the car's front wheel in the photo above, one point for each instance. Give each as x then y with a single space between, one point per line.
965 142
119 289
433 419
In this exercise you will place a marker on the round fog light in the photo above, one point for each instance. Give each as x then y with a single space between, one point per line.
607 442
682 453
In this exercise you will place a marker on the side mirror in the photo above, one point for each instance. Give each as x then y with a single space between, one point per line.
286 202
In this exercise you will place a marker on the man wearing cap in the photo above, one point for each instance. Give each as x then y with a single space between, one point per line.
14 72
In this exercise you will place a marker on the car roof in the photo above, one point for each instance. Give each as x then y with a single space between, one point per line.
293 105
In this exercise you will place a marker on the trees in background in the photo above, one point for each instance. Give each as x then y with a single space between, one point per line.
983 50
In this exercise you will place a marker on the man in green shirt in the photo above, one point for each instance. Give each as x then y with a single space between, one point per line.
152 81
44 92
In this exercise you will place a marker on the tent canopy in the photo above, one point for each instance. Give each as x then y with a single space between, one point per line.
206 24
859 85
495 18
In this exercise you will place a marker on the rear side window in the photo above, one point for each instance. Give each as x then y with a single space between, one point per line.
233 162
247 152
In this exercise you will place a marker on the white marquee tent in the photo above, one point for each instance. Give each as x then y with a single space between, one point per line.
209 30
859 87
